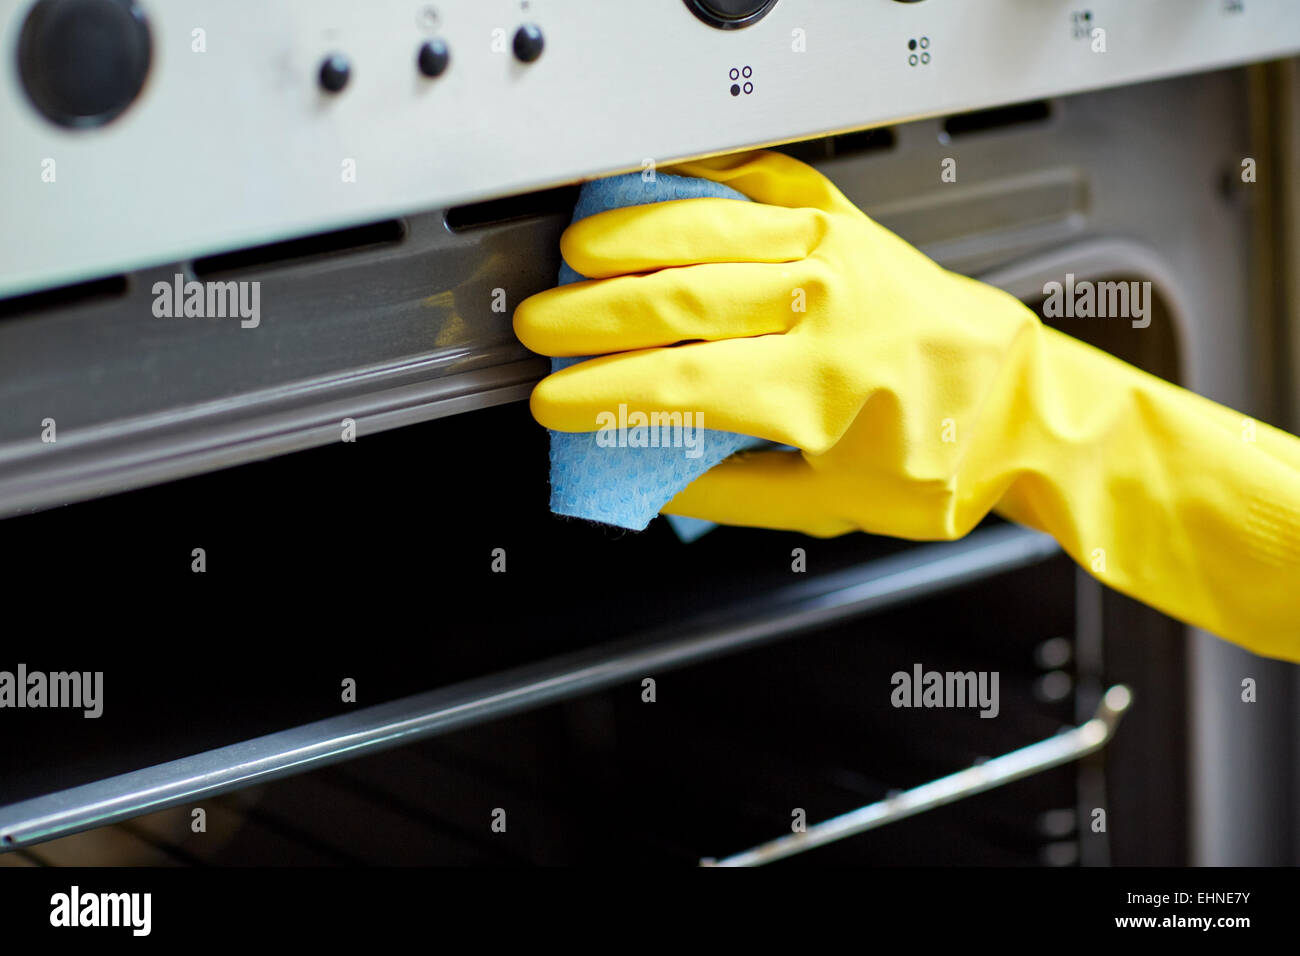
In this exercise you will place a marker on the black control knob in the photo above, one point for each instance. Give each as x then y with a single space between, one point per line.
83 62
730 14
334 73
433 58
529 42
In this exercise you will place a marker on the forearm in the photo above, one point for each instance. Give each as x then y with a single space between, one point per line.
1165 496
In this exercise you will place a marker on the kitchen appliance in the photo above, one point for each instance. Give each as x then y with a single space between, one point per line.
395 181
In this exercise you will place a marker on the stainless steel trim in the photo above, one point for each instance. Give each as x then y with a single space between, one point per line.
187 442
872 586
1063 748
475 133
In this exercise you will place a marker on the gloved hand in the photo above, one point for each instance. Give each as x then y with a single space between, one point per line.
920 399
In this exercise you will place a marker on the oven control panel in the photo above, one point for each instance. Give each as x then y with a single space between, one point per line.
137 132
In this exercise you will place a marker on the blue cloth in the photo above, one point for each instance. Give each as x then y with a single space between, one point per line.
626 486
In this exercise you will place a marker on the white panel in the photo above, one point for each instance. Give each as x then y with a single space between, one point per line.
238 145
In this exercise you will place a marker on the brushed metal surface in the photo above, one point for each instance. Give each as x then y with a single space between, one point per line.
237 144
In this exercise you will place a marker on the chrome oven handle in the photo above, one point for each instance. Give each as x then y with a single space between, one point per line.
1064 747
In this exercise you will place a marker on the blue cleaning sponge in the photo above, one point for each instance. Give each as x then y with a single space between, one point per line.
626 486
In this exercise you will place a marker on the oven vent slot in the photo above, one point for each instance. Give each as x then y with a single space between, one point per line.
546 202
258 258
880 139
82 293
1003 117
560 201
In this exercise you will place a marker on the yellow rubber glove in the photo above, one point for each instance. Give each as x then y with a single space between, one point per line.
920 399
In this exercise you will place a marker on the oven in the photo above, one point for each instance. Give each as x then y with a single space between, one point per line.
386 649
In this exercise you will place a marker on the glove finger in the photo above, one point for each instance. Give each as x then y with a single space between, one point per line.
714 381
767 489
688 231
710 302
769 177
